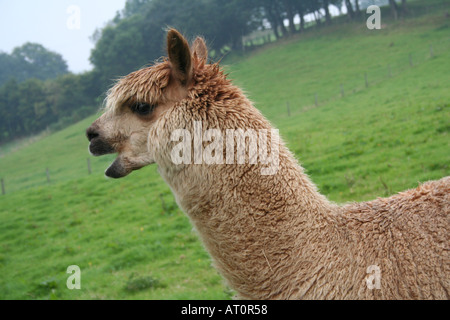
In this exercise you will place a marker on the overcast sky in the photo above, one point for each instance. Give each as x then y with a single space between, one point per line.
63 26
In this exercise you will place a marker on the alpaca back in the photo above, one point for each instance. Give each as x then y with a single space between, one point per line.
406 237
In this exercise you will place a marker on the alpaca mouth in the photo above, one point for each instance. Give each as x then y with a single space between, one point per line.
99 147
117 169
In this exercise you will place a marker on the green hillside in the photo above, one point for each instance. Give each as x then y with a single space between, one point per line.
130 240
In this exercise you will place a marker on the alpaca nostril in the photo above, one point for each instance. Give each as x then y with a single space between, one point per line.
91 133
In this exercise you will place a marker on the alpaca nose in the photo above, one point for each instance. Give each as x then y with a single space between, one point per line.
91 133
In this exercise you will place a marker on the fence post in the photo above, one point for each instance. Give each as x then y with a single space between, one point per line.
3 187
89 165
48 175
163 204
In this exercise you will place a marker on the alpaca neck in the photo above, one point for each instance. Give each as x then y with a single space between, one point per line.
252 224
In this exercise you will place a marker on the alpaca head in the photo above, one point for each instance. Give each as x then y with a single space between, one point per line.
146 110
139 107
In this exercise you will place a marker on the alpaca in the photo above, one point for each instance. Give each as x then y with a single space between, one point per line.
271 236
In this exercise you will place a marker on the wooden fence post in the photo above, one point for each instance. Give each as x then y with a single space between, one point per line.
163 204
89 165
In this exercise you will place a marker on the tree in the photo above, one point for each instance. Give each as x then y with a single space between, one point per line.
403 8
397 10
302 8
357 9
32 107
133 7
326 5
290 13
123 48
268 7
31 60
69 94
133 40
394 9
12 123
10 67
41 63
350 11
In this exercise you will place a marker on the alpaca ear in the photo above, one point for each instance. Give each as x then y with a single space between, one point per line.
199 49
179 56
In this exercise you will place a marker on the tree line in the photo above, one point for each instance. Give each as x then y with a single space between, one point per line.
37 91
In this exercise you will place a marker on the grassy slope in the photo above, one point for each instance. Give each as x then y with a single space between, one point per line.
375 140
128 244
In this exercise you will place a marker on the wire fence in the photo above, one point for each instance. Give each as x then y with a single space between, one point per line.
38 179
359 82
367 79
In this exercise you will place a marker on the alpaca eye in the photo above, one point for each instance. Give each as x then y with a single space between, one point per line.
142 109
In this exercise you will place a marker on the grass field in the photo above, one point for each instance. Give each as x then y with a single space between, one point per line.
128 236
